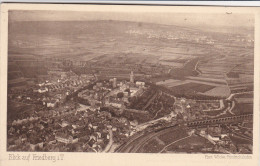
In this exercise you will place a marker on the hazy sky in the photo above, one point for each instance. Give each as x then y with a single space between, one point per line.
184 19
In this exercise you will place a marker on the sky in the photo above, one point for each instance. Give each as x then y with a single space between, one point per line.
182 19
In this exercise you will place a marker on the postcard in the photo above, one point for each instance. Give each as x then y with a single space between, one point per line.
129 85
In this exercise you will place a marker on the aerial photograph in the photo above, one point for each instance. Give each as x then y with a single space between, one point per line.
130 82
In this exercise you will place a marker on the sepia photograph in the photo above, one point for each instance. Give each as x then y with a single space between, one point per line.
130 82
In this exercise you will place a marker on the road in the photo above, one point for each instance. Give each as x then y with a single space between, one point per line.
196 68
110 143
233 94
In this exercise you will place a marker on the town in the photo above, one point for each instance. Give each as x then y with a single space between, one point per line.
79 113
166 89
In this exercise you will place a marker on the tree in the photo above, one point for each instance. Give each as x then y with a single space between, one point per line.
127 90
120 95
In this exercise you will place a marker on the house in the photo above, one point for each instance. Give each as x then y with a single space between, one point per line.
43 90
41 84
51 103
213 138
114 129
140 83
114 103
223 135
75 139
64 123
202 132
65 138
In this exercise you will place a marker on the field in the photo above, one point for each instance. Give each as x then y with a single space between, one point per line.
172 136
95 41
247 95
157 143
196 80
166 54
214 72
191 88
195 87
221 91
200 85
191 144
208 80
171 82
237 140
187 70
242 108
235 68
153 146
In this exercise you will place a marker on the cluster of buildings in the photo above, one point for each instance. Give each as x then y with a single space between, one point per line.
99 115
59 85
177 35
119 96
71 126
112 93
65 129
196 37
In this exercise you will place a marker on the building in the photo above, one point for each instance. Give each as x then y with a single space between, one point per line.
132 77
64 124
136 91
140 84
114 104
65 138
51 103
213 138
43 90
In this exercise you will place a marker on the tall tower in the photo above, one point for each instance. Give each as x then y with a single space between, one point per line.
132 77
114 83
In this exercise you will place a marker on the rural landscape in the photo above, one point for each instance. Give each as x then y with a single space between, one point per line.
125 86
